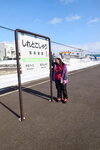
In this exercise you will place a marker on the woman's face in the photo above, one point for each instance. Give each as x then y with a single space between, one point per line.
57 61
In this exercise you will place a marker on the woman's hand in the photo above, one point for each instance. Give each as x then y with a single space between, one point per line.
64 82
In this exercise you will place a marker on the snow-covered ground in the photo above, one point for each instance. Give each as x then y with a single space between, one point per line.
76 64
72 64
8 62
11 80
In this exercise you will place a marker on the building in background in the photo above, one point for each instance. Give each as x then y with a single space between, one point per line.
73 54
7 51
67 52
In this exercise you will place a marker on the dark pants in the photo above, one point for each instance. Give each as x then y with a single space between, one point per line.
61 89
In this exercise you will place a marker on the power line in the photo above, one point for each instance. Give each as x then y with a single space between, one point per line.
6 28
51 41
69 46
65 45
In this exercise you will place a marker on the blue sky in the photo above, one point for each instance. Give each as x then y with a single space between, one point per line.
72 22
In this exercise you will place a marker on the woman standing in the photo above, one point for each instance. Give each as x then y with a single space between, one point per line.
60 76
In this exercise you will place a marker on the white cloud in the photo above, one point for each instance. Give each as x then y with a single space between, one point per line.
69 19
67 1
73 18
92 47
55 21
94 20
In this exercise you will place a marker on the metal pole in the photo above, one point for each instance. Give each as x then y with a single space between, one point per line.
19 78
50 61
5 53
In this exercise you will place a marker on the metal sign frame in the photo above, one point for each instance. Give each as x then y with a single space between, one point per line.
19 68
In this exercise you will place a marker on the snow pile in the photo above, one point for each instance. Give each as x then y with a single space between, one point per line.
76 64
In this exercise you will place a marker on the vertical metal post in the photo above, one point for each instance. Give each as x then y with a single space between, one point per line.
50 62
19 77
5 53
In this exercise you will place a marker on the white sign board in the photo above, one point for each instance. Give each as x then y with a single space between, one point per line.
34 54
